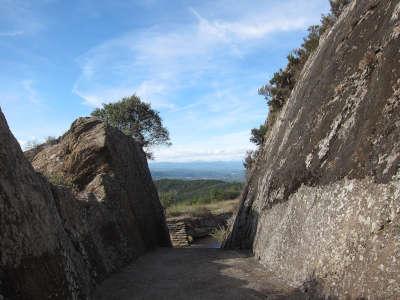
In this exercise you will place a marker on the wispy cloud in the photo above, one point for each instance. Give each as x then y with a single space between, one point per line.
195 71
175 56
227 147
27 112
30 92
198 62
11 33
22 92
255 27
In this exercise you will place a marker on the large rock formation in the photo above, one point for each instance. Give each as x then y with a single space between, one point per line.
322 204
105 166
102 210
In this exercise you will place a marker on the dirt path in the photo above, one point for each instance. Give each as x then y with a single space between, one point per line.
194 273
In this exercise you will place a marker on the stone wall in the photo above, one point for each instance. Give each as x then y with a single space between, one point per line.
185 229
322 203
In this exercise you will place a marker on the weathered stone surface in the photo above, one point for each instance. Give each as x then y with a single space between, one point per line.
57 242
104 166
37 257
323 201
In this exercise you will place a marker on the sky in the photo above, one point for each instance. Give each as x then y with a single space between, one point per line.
199 63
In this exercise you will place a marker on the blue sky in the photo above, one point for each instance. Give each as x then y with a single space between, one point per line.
199 63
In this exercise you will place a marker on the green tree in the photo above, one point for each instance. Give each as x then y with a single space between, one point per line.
337 6
167 199
257 135
278 89
137 119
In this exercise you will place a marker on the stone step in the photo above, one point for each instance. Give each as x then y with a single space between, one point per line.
178 234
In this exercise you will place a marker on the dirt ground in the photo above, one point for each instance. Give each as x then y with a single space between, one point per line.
195 273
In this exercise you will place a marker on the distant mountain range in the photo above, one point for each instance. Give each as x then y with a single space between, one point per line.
221 170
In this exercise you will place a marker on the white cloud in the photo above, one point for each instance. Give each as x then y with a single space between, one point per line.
194 71
221 147
107 94
224 107
155 62
20 93
253 28
11 33
30 91
27 144
23 144
186 154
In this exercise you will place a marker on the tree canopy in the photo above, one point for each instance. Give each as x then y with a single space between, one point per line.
137 119
257 135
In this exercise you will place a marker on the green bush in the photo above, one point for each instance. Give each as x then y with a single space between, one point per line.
258 134
277 91
167 199
137 119
176 191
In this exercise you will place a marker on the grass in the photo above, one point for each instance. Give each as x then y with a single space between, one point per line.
220 234
198 210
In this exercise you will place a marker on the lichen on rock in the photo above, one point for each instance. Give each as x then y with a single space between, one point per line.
323 201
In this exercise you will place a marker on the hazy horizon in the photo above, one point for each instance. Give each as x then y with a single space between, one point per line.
220 170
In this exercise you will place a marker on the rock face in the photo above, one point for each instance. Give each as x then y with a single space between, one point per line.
105 166
102 210
322 204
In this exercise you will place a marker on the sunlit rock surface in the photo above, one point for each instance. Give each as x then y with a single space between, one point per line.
322 205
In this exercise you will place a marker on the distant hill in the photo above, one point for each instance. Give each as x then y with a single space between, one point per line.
172 191
219 170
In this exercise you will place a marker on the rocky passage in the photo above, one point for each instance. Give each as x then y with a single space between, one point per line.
323 201
187 273
320 212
